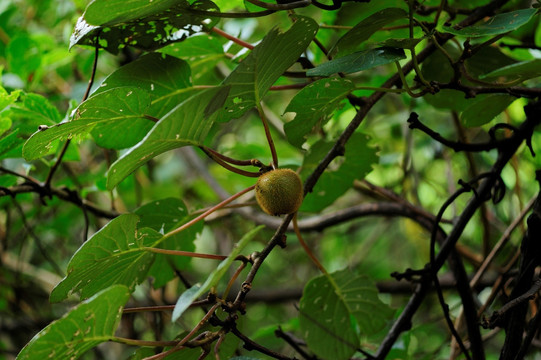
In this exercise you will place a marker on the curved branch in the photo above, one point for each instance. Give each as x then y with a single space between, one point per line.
457 146
277 7
61 193
533 118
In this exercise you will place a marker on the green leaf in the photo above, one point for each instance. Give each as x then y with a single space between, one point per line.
195 47
448 99
495 25
187 124
5 124
141 24
113 255
484 110
33 110
350 42
163 216
315 104
10 142
487 59
8 99
358 61
359 158
165 78
88 324
522 70
115 118
24 55
406 43
107 12
190 295
333 306
254 76
437 67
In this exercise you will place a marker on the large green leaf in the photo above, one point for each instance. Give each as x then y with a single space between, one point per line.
358 61
448 99
485 109
8 99
10 142
332 184
404 43
190 295
143 24
254 76
203 53
522 70
363 30
5 123
195 47
163 216
166 78
187 124
115 118
333 306
315 104
437 67
33 110
495 25
487 59
113 255
109 12
84 327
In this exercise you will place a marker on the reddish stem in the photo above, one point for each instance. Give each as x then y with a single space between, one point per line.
269 137
208 212
232 38
251 162
306 248
218 158
233 278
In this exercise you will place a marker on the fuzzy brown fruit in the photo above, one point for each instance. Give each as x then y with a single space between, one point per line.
279 192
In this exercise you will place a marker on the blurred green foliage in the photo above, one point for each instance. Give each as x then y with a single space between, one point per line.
43 82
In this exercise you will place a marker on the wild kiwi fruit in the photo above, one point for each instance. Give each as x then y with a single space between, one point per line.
279 192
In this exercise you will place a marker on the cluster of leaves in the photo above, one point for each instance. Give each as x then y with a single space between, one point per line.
337 86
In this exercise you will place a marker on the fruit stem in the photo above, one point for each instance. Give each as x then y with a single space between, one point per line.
233 278
225 165
306 248
269 137
207 213
251 162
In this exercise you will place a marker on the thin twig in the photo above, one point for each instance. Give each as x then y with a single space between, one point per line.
36 238
434 273
249 344
306 248
269 137
66 144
